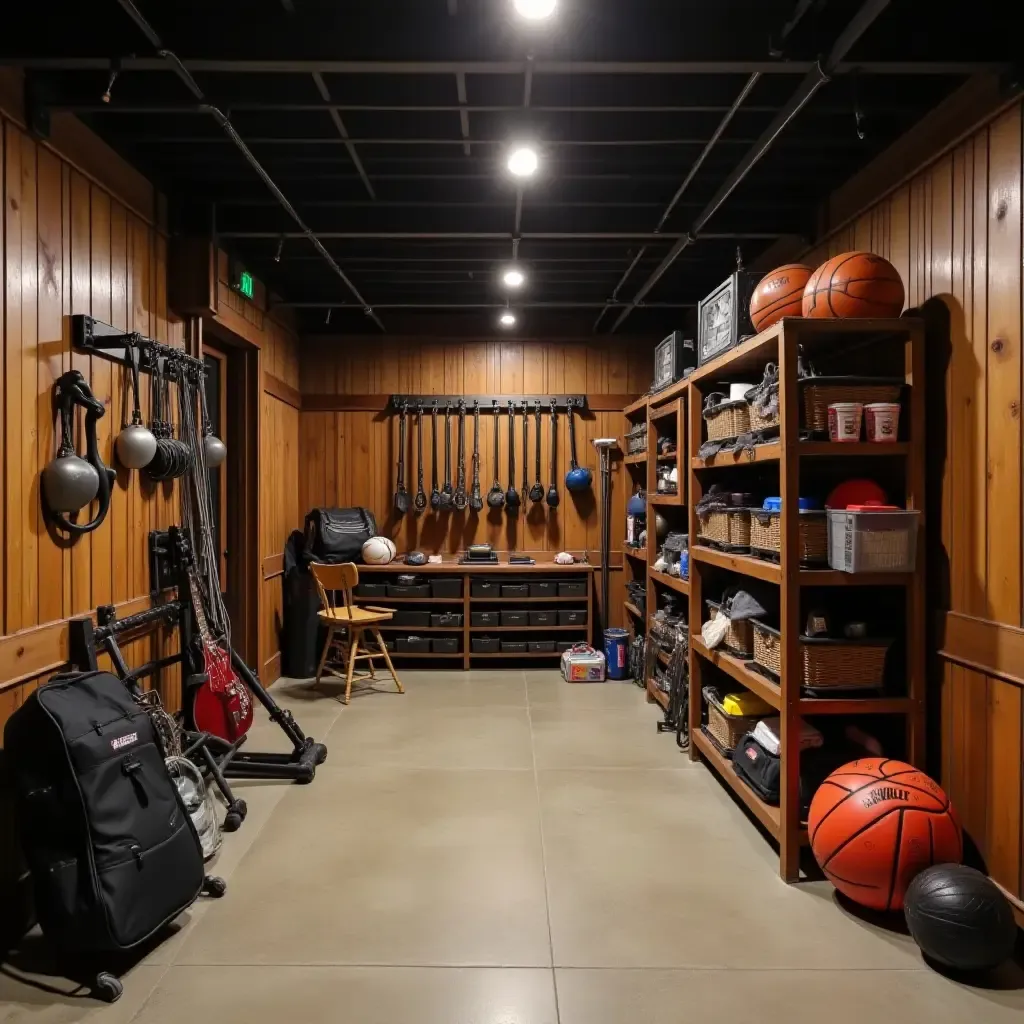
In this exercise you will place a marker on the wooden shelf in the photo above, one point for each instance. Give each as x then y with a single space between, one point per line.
838 578
509 654
769 816
639 459
632 609
637 554
386 602
656 695
672 457
525 600
416 630
736 669
667 499
455 568
640 405
739 457
805 449
528 629
672 582
857 706
745 564
664 412
413 654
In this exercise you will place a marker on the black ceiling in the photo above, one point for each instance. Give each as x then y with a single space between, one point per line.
385 125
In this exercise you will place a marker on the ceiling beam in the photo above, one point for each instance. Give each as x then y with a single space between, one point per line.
273 140
454 108
335 304
321 85
503 236
460 86
541 67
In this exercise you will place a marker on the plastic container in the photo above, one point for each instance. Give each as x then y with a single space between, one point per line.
412 645
882 420
420 590
864 538
513 646
515 590
541 646
615 652
582 664
445 645
485 618
446 588
409 618
544 588
484 645
371 590
572 618
548 618
845 420
573 589
515 618
485 588
450 619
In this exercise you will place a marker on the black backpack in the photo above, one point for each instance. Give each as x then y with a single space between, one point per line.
113 853
338 534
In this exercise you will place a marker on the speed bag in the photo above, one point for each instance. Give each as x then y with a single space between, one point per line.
338 534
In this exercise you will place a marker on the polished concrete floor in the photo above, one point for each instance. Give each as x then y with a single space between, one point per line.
503 848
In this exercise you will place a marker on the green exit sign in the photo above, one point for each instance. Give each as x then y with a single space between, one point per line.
245 284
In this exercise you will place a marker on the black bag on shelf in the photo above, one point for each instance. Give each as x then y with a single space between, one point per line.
112 850
758 768
338 534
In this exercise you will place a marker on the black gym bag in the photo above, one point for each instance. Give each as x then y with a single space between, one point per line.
113 852
338 534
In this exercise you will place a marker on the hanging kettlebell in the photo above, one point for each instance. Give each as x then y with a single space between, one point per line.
215 451
579 478
136 444
69 482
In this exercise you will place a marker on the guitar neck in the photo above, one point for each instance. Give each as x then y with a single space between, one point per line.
197 607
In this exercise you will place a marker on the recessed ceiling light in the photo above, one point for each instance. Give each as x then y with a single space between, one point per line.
507 320
523 162
535 10
514 278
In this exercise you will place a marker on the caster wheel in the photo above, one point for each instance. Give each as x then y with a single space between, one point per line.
321 752
214 887
107 987
232 821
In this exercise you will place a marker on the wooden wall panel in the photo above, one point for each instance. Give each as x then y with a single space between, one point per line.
350 457
954 233
68 246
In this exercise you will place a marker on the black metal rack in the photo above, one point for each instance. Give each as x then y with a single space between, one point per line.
490 403
95 338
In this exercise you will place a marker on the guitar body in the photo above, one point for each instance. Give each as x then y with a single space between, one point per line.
222 706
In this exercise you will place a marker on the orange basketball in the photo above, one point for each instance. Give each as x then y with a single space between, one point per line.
778 294
875 824
854 284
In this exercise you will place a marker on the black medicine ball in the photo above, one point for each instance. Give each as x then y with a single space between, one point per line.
415 558
959 918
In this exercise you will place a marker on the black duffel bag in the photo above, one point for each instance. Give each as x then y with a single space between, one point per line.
338 534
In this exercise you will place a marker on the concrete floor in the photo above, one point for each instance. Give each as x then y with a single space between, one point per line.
503 848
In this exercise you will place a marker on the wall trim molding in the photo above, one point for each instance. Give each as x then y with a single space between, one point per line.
282 391
991 648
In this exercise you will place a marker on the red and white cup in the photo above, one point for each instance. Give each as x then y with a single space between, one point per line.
883 422
844 422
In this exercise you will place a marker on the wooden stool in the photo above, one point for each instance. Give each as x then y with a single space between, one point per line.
349 623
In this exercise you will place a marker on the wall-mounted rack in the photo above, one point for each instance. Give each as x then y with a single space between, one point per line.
490 403
95 338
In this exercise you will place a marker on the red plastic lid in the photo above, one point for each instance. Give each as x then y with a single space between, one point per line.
856 492
872 507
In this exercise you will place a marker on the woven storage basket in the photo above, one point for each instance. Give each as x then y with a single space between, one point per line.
759 422
766 535
818 397
739 638
730 527
727 419
826 664
727 729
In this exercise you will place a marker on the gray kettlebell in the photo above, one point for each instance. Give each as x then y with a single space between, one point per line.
69 483
136 444
215 449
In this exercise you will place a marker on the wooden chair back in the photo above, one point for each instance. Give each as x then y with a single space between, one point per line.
332 580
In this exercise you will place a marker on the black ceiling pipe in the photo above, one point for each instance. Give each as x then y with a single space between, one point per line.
182 72
815 79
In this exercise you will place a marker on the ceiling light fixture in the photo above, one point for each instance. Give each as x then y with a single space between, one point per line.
514 278
523 162
535 10
507 319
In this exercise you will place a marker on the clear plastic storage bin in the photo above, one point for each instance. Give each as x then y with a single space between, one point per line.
863 541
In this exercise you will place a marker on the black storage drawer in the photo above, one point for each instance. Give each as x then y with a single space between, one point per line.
513 646
545 588
574 588
485 618
561 646
404 617
446 588
371 590
548 618
484 645
412 645
485 588
572 618
445 645
515 590
389 646
542 646
515 618
450 619
419 590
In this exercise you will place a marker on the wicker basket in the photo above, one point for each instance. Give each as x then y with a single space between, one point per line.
730 527
726 419
819 396
766 535
826 664
727 730
739 638
759 422
769 386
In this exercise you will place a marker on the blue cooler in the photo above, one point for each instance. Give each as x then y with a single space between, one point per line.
616 653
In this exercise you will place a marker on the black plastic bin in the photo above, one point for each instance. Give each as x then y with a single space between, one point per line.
542 646
515 618
403 617
301 640
515 590
544 588
513 646
485 618
484 645
446 588
445 645
572 618
548 618
371 590
418 590
574 588
452 620
412 645
485 588
561 646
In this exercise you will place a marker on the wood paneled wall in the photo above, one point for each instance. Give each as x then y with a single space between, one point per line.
954 233
68 246
350 457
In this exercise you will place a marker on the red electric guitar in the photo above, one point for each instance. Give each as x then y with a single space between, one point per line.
222 705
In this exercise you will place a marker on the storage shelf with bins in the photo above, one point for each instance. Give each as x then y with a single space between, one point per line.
468 603
636 463
869 348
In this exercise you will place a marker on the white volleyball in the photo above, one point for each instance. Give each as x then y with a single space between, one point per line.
379 551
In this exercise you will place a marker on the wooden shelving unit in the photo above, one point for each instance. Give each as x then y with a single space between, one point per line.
637 470
832 340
